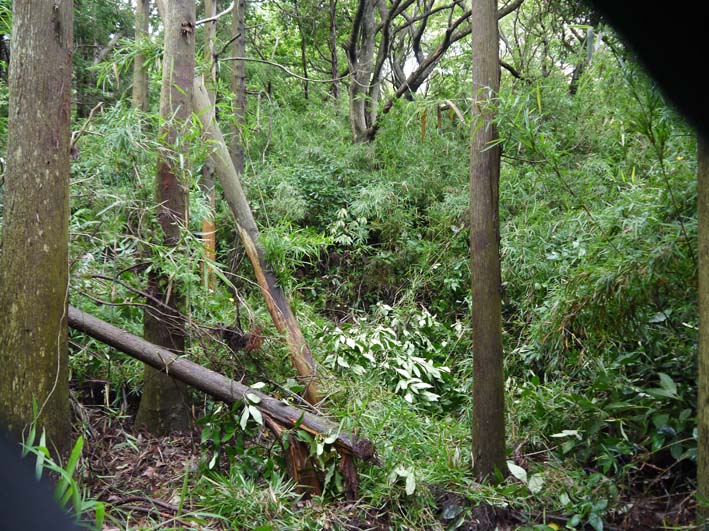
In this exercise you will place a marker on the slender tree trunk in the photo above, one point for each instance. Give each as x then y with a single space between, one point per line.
333 50
303 49
164 406
488 390
140 74
34 261
703 347
207 181
239 85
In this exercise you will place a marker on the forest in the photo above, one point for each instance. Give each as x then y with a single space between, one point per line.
347 265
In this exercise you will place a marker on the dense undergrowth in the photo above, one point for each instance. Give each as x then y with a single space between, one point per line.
598 231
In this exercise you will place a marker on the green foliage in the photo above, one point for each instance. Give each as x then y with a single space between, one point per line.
370 242
67 492
405 350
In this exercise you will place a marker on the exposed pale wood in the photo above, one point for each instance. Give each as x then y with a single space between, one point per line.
277 303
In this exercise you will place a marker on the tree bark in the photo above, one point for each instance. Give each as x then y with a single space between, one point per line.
334 72
277 303
34 261
140 74
488 389
360 58
209 229
703 347
164 406
239 85
215 384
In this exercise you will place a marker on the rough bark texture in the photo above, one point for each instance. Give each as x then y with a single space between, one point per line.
360 57
703 347
215 384
334 72
164 407
278 305
33 264
140 74
488 390
238 85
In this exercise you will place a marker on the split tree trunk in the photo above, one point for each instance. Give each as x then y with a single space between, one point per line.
277 303
164 407
215 384
488 388
33 265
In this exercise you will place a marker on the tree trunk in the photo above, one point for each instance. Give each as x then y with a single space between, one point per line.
333 50
33 265
277 303
207 182
215 384
360 57
140 74
488 390
303 49
703 347
164 406
239 85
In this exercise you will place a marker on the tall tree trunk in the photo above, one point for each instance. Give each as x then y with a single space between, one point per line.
303 48
207 181
333 50
140 74
164 406
488 389
360 57
238 81
703 347
34 261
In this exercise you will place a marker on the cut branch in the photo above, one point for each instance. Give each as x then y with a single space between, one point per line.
215 384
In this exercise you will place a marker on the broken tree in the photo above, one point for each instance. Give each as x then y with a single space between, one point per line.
276 300
215 384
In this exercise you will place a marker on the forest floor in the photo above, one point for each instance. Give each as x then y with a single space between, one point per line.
146 483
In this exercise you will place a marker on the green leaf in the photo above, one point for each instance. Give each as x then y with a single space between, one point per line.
254 399
536 483
256 414
410 484
517 471
39 465
244 418
667 383
567 433
595 522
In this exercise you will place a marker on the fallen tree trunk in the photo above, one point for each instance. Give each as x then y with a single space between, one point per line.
277 303
215 384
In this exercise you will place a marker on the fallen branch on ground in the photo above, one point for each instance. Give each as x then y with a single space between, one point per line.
215 384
